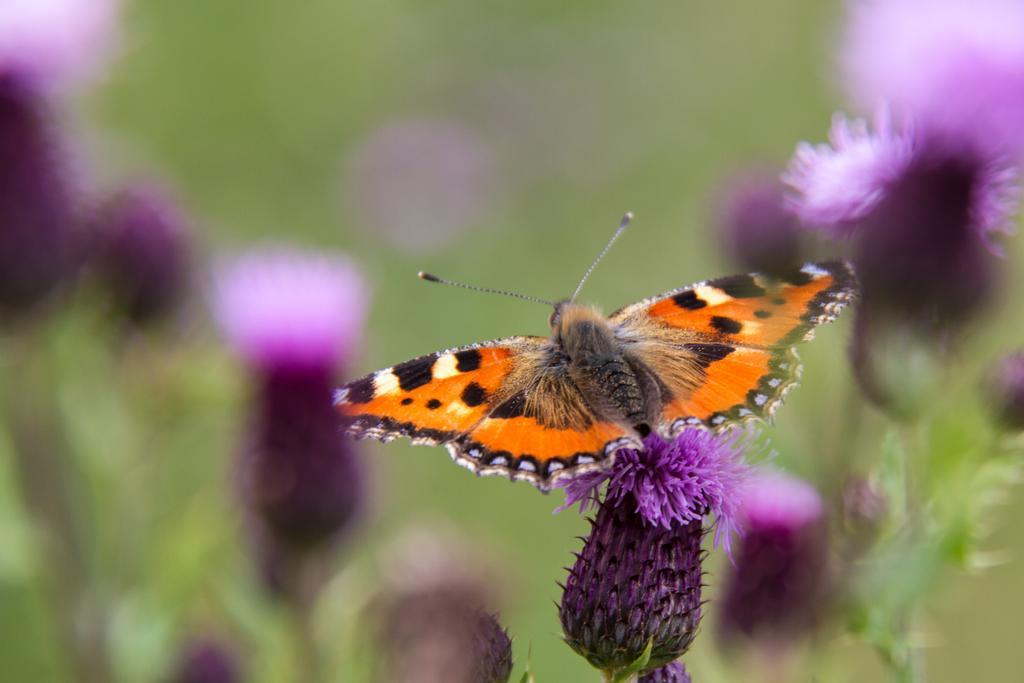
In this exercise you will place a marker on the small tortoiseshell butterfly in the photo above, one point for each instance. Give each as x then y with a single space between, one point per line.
542 408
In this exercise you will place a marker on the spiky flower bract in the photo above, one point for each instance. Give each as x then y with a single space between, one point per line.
673 672
634 584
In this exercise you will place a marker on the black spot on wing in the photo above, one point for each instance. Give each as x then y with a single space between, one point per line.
473 395
797 277
726 325
739 286
414 373
709 353
360 391
406 401
433 404
762 314
467 360
689 300
514 406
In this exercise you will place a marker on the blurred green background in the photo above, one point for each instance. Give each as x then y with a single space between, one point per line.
319 123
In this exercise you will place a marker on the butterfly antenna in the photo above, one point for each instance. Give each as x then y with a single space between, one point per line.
623 224
487 290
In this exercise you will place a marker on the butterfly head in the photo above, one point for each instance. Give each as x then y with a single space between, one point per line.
580 330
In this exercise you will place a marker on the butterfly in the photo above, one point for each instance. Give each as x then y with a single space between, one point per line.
542 409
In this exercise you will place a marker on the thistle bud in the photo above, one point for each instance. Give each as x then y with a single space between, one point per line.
756 230
632 586
778 586
674 672
295 317
142 253
206 661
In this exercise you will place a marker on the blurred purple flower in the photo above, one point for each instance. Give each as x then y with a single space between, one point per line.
840 183
633 584
755 229
954 67
673 672
777 588
839 186
419 183
39 240
206 661
432 620
143 253
1006 391
54 42
295 317
286 308
675 482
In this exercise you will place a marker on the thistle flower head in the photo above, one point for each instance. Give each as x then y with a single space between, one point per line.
956 67
55 41
674 672
755 227
295 317
291 308
778 584
143 252
39 241
674 482
633 585
204 660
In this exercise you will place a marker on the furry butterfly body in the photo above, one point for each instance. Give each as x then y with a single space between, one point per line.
543 408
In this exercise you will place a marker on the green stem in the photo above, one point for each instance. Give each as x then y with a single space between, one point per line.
44 466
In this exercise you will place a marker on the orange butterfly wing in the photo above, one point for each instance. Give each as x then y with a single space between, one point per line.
499 407
723 348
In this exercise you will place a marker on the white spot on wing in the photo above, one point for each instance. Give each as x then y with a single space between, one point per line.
584 460
554 466
500 460
760 399
528 466
385 382
445 366
712 295
774 382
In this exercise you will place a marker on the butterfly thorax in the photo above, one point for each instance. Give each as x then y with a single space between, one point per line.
619 387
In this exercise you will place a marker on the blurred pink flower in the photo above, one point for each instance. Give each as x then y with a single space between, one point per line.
55 42
286 307
840 183
954 67
419 183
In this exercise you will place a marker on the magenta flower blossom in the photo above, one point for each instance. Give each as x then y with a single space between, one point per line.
280 306
674 482
295 318
55 42
955 67
840 183
778 585
838 186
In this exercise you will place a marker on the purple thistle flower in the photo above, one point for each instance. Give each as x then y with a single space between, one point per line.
295 317
286 308
673 672
143 253
633 584
838 187
674 482
206 661
39 243
755 228
778 585
955 67
1006 391
419 183
52 42
431 622
839 184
